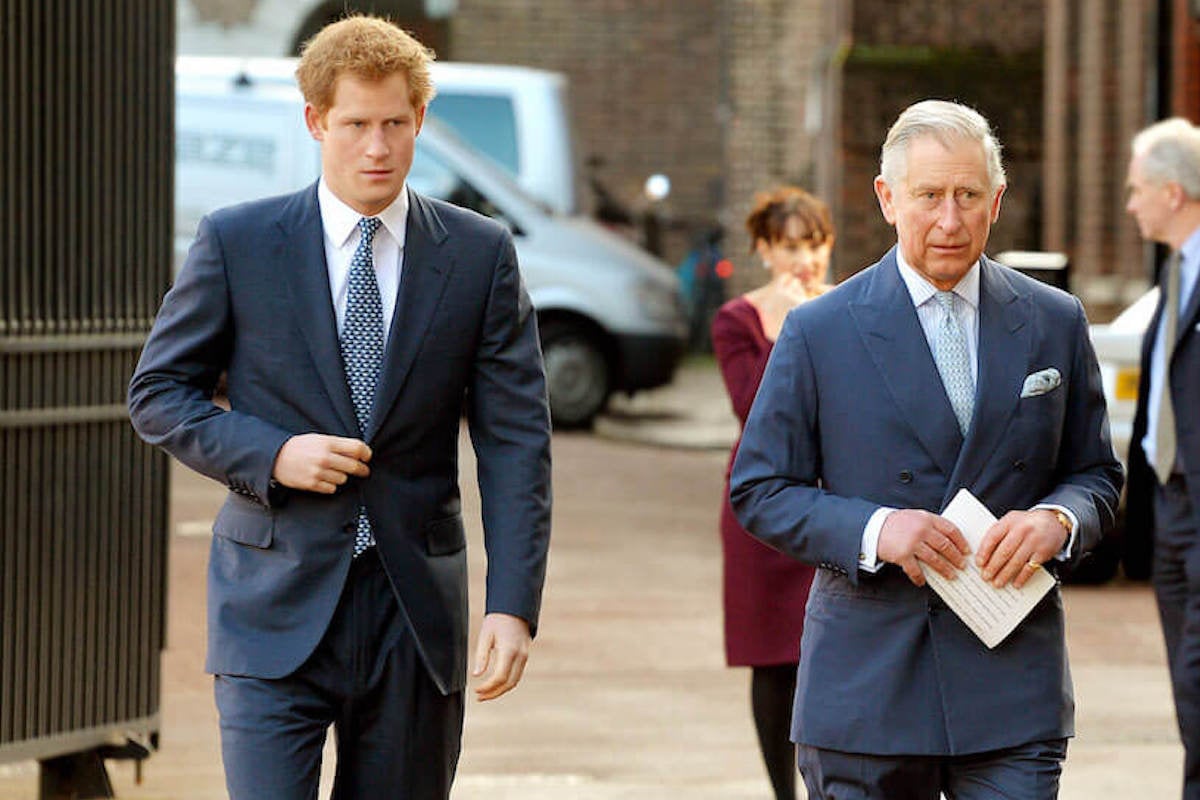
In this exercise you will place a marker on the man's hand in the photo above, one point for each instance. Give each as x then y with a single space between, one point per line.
1018 544
910 535
502 650
315 462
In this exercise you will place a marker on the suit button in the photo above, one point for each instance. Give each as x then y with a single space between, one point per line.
1019 465
905 476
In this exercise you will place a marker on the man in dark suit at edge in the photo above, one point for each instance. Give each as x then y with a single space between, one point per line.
1163 504
934 369
356 320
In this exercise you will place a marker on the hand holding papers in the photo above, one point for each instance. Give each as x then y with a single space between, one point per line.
990 612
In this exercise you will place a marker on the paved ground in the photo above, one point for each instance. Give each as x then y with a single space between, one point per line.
626 696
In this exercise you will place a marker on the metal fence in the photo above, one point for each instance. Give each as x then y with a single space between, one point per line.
86 88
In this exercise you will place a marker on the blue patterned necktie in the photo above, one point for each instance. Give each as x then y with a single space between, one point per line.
362 347
954 362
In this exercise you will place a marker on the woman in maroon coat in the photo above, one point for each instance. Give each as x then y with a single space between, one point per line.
764 590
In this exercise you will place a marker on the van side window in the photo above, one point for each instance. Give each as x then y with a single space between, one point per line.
486 122
431 176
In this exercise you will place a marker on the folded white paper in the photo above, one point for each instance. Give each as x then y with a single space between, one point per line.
990 612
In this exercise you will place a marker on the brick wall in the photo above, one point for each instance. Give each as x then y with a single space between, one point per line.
645 87
774 48
879 85
1014 26
988 56
710 92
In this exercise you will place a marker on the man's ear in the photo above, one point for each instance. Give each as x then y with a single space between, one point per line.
420 117
315 122
884 193
1175 194
996 202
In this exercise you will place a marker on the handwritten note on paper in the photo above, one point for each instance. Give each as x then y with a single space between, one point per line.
990 612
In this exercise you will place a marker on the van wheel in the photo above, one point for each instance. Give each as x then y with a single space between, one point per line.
576 374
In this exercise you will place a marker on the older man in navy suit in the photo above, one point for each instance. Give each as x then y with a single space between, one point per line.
357 321
933 370
1164 452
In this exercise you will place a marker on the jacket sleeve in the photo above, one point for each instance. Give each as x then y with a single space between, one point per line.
509 421
171 391
1090 476
775 483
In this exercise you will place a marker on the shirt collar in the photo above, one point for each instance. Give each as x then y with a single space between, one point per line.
1190 252
921 290
340 220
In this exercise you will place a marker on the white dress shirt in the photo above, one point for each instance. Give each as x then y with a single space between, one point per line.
1189 266
342 235
922 293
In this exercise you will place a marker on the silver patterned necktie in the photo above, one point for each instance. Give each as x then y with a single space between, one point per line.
954 361
1164 431
362 347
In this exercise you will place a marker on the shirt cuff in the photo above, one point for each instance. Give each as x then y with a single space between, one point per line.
868 556
1065 553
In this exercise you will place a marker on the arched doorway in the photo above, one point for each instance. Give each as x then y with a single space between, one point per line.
411 15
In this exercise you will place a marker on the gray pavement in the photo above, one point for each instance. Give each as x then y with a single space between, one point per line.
692 413
626 696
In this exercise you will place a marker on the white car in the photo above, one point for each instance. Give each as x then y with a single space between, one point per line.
1119 351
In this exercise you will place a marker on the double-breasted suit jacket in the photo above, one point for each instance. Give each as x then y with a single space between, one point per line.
253 299
852 416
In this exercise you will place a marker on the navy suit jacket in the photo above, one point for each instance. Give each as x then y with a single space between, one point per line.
1185 398
253 299
852 416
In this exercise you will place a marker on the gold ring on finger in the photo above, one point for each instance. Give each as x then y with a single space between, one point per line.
1033 565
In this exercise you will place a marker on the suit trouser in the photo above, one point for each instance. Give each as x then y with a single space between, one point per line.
397 735
1025 772
1177 587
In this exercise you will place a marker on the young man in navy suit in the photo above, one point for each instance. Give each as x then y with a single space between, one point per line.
1164 453
356 321
933 370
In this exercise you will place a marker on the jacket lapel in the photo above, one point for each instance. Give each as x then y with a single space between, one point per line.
892 334
423 277
1004 347
1187 316
307 278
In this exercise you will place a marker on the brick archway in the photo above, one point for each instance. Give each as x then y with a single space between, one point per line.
408 14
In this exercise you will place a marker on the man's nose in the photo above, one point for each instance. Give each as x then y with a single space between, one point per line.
377 145
949 215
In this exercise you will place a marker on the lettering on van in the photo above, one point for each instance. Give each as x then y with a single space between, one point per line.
222 149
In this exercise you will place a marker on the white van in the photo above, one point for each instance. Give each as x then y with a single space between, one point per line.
516 116
610 315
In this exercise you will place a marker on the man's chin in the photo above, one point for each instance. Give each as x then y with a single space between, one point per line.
378 199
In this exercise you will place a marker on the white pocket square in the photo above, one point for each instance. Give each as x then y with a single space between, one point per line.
1040 382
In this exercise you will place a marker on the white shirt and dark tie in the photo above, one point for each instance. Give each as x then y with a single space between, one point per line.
364 256
933 308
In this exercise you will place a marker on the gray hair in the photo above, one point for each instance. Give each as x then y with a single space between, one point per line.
944 121
1170 152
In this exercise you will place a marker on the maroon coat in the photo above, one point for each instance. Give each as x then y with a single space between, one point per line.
764 590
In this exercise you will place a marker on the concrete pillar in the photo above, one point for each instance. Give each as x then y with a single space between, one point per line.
1056 118
1091 204
1133 113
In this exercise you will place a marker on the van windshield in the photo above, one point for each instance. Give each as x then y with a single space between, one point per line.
486 122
